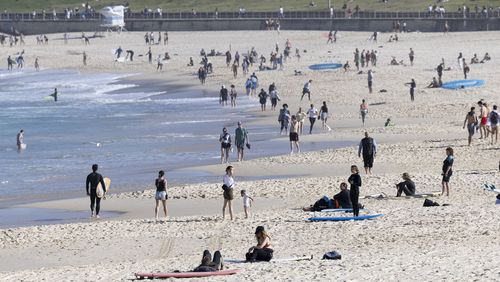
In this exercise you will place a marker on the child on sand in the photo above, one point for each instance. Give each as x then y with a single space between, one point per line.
247 202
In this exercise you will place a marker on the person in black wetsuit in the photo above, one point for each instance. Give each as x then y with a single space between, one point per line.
54 95
93 180
355 181
407 186
369 148
447 171
208 264
343 199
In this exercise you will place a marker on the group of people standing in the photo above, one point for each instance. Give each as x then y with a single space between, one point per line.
487 122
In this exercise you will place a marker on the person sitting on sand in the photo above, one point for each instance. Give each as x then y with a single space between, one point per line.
474 60
346 66
208 264
340 200
407 186
191 63
263 250
343 199
434 83
388 122
485 58
394 62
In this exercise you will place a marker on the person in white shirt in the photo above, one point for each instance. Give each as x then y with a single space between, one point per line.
247 202
228 188
282 15
312 113
225 146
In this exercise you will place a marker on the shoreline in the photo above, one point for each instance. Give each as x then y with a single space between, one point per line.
426 242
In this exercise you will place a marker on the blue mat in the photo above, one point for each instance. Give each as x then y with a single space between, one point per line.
342 218
458 84
325 66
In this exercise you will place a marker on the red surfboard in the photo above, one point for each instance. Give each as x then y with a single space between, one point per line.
140 275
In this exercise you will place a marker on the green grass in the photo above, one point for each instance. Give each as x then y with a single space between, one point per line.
233 5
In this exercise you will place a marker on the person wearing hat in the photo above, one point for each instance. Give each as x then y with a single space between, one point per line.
407 186
263 250
223 96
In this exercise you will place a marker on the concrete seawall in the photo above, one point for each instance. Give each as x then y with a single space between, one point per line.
382 25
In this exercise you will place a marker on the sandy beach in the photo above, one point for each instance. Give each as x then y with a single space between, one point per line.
410 242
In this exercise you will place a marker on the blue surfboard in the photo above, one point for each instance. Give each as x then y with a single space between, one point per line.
458 84
329 66
346 218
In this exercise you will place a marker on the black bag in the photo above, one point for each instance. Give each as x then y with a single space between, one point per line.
224 187
429 203
332 255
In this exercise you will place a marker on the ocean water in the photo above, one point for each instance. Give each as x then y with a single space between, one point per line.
130 130
103 119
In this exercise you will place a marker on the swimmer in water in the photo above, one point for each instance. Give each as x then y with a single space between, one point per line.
54 95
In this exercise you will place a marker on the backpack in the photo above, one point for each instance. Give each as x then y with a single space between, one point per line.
494 118
332 255
429 203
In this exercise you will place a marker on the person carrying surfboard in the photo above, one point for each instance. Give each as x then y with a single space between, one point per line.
54 95
93 180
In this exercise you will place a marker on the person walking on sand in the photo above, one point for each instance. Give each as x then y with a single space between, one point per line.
262 99
241 140
247 202
84 57
412 56
233 94
355 181
307 90
225 146
412 84
228 188
370 80
301 117
37 64
312 113
150 55
161 193
494 121
20 140
471 121
93 179
483 115
323 115
284 119
466 69
223 95
447 171
363 110
294 135
368 147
